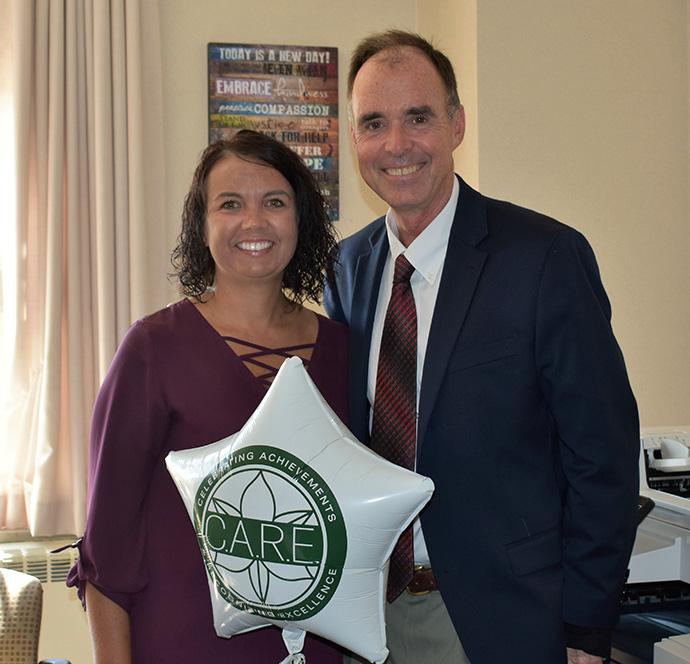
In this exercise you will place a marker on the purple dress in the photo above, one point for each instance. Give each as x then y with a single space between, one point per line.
175 384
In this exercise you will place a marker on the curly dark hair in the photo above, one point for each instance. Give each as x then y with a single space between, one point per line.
316 249
392 40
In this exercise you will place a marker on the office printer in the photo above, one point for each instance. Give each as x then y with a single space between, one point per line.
658 591
662 546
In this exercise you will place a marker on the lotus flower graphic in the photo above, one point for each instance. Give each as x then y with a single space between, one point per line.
264 537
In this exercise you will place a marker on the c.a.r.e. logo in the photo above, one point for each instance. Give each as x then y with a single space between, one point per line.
271 533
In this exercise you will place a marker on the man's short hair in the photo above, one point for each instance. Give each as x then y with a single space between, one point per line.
396 39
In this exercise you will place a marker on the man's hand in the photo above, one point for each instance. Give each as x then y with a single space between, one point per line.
581 657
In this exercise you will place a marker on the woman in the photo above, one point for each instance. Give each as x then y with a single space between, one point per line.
255 242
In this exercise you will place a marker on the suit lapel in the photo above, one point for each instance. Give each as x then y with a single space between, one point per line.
461 271
367 279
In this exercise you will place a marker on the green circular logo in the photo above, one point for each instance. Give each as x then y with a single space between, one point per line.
271 533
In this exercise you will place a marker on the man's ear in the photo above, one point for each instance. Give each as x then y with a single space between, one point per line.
458 126
351 126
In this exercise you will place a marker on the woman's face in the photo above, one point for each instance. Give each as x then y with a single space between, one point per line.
251 222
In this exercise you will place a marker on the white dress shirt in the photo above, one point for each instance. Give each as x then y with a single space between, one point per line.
427 254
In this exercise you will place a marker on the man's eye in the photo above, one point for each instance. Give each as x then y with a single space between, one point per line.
373 125
419 119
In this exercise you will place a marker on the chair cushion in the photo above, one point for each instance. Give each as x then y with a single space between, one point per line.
21 602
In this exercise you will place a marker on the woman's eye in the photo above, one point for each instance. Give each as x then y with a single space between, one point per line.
228 205
275 203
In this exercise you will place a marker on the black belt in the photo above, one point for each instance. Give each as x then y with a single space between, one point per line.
423 581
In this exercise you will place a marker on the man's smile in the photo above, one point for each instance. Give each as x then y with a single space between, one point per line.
403 170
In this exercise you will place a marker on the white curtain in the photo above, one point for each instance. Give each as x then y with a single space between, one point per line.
90 247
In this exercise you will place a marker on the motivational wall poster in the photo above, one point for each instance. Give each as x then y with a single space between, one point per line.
287 92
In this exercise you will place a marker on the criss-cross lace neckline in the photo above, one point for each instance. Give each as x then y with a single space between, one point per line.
262 361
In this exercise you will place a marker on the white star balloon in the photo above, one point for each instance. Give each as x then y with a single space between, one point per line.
296 521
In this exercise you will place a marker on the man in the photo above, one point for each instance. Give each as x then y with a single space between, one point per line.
525 417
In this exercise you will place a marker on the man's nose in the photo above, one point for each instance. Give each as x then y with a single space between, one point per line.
397 141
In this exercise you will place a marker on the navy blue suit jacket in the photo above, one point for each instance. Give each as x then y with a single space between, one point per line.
527 426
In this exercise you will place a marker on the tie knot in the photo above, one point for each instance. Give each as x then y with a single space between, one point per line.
403 270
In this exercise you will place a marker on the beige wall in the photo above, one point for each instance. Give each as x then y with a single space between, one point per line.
451 25
187 27
583 114
580 110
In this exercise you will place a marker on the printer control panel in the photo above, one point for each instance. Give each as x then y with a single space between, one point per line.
666 457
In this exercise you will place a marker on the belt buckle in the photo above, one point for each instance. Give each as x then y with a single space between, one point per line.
417 593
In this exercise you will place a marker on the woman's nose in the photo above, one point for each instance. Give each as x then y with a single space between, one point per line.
253 216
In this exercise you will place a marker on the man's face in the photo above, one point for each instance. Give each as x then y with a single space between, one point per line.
403 135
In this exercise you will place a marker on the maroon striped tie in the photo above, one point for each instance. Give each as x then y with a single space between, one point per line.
394 425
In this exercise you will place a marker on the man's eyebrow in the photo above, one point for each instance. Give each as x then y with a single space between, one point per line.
413 110
368 117
420 110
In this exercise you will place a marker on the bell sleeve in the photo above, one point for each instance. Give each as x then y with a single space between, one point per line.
128 429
